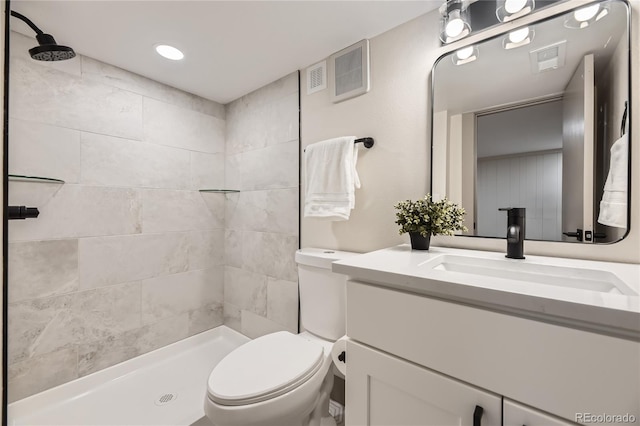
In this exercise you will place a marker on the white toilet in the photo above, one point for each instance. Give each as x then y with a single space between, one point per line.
284 379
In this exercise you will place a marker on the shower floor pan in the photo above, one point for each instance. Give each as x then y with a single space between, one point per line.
163 387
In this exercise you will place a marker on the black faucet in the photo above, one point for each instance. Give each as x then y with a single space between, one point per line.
515 232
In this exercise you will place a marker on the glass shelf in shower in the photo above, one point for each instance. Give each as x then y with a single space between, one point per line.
36 179
221 191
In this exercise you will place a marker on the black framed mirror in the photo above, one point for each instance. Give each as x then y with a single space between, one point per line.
537 118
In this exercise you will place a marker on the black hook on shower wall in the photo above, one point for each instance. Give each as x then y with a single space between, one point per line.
22 212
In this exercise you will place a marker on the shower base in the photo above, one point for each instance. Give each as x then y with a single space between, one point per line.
163 387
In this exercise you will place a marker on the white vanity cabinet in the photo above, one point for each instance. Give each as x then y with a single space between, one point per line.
520 415
384 390
414 359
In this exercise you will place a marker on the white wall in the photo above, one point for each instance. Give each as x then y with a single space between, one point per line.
395 114
460 163
468 178
532 181
515 131
126 256
261 226
520 165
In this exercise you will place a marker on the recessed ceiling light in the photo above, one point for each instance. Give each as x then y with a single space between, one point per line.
169 52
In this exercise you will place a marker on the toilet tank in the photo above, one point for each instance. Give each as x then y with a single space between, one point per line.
322 292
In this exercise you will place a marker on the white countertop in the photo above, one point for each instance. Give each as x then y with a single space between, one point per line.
404 269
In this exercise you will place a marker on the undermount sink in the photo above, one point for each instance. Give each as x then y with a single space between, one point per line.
538 273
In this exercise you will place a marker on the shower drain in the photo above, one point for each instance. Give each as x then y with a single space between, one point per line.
166 399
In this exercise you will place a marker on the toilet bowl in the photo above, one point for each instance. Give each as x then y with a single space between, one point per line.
280 379
284 379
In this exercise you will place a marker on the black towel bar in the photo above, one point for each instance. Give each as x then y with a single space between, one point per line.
367 142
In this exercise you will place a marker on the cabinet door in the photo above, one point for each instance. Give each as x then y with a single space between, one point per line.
382 390
520 415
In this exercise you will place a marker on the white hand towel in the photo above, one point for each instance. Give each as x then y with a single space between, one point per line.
331 178
613 206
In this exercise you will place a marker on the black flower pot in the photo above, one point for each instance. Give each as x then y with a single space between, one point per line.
418 242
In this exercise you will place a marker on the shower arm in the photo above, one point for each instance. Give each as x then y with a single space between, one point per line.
47 49
27 21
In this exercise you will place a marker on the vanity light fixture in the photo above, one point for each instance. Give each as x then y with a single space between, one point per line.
517 38
587 15
454 22
507 10
169 52
465 55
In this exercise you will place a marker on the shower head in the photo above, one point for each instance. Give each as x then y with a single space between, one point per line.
48 49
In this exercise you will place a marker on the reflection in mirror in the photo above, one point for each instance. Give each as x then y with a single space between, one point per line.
536 118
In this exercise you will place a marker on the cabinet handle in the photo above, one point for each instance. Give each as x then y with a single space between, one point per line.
477 416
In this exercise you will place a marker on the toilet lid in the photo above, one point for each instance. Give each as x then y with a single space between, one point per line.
264 368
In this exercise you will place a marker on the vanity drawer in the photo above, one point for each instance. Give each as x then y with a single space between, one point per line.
557 369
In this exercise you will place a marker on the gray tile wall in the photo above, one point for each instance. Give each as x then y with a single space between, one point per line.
261 232
128 256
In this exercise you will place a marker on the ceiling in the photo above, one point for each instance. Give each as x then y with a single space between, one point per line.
507 76
231 47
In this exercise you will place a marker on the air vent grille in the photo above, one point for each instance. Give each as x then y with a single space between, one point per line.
549 57
317 77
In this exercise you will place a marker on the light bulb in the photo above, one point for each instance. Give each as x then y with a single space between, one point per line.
586 13
519 36
454 27
514 6
169 52
455 24
464 53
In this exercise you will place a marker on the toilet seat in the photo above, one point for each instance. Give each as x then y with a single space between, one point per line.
264 368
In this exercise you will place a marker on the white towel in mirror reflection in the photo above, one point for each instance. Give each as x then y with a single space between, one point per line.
613 207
